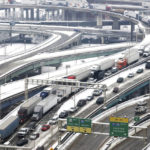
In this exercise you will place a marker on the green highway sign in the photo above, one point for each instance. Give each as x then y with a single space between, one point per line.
73 124
136 118
85 125
79 125
118 127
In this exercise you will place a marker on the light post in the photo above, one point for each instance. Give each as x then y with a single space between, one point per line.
11 24
67 66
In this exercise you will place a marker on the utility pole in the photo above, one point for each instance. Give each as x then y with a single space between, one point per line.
26 88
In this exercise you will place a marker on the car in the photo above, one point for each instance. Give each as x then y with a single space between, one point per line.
140 52
45 127
34 136
97 92
23 132
130 75
63 114
32 125
73 109
22 142
100 100
114 70
40 148
140 110
108 73
142 103
54 120
90 97
116 89
81 103
91 80
140 70
120 80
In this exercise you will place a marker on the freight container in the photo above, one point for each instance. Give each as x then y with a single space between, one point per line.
26 110
8 127
45 105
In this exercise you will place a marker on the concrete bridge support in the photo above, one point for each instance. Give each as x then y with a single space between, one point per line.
27 14
74 16
6 13
37 14
99 20
22 14
116 25
132 29
63 15
102 40
32 14
14 13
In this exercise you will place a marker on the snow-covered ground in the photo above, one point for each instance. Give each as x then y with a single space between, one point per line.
8 49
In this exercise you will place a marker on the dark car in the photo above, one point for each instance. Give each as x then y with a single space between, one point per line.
140 70
116 90
22 142
81 103
63 114
100 100
32 125
40 148
120 80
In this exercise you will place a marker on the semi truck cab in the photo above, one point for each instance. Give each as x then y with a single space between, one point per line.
121 63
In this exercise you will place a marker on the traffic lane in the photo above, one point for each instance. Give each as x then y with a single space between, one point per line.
94 141
134 144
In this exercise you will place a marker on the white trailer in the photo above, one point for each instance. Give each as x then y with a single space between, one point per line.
133 14
106 64
45 105
31 2
131 55
63 92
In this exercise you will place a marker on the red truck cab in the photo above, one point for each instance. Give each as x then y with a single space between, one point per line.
121 63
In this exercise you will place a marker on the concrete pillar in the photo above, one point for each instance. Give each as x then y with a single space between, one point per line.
37 14
57 14
132 29
32 14
73 16
53 14
9 13
84 16
115 25
63 15
102 40
47 15
6 13
14 13
27 14
99 21
22 13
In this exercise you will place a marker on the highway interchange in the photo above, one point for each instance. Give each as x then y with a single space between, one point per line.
62 41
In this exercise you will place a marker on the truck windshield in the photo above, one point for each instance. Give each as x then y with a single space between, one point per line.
59 95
